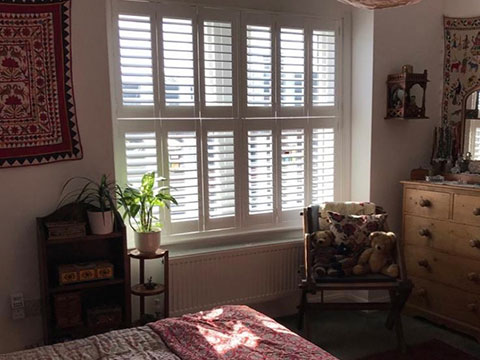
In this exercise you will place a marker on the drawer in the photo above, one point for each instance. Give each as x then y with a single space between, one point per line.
456 239
466 209
432 204
456 304
443 268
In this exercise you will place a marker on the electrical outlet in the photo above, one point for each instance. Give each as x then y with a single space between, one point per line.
18 314
16 301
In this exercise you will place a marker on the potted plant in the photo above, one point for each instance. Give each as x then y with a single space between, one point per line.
98 196
138 205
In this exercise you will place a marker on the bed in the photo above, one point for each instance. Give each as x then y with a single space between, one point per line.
226 332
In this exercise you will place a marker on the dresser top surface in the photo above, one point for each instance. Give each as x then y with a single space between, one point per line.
443 185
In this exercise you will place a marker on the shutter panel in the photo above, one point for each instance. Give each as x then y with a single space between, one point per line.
476 150
323 68
260 172
141 155
259 66
221 174
135 39
292 70
293 169
218 63
178 62
323 148
183 174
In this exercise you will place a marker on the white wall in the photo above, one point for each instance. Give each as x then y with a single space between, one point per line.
462 8
407 35
362 97
26 193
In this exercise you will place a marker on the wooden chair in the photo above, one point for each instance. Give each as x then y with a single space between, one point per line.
398 289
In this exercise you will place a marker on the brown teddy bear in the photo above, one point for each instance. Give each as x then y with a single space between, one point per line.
329 259
379 257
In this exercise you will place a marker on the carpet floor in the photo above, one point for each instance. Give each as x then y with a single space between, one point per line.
355 335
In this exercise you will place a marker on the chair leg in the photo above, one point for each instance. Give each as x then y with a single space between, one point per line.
395 317
398 300
301 309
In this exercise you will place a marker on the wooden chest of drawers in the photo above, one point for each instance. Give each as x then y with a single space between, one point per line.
441 238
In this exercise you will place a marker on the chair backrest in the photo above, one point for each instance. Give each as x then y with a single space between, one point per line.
315 216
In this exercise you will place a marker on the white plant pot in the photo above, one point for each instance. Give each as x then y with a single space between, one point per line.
147 243
101 223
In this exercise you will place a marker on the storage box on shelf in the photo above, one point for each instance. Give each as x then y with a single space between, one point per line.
68 307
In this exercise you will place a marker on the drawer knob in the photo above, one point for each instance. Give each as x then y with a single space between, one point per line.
473 276
423 263
422 292
424 233
475 243
425 203
476 211
472 307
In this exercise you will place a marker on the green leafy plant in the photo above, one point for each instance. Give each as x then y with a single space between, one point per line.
98 196
138 204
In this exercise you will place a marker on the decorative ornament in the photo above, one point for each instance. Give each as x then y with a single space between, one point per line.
379 4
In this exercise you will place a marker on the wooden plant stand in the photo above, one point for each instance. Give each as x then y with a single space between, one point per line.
140 290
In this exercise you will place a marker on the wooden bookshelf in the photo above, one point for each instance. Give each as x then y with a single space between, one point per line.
114 292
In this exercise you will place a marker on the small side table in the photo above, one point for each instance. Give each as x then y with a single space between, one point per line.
140 290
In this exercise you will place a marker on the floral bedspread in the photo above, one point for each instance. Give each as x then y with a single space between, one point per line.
136 343
234 332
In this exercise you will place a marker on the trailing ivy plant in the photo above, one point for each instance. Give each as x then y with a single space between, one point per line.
138 204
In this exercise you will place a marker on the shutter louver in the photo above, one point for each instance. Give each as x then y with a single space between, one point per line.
141 155
293 169
259 66
476 155
221 174
323 148
292 71
136 60
183 174
323 68
260 172
218 63
178 62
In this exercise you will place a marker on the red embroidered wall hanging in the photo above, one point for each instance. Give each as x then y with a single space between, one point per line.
38 124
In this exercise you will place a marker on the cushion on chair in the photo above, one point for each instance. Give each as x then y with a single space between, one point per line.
354 230
344 208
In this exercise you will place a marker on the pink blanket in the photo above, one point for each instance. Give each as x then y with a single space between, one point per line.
234 332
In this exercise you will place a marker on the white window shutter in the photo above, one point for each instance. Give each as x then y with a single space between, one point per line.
136 63
323 165
292 68
141 156
178 62
292 169
260 172
221 174
323 68
218 63
183 175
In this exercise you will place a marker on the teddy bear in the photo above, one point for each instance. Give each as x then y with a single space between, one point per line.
329 259
379 257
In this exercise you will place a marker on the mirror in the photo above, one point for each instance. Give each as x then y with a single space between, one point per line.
471 125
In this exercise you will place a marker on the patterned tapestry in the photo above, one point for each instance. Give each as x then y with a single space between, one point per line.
462 61
37 111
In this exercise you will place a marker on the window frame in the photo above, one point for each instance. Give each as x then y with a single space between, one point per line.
240 118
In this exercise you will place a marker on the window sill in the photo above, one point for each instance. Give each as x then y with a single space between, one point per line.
236 241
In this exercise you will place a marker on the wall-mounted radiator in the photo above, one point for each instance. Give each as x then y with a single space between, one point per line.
242 276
